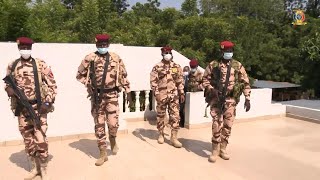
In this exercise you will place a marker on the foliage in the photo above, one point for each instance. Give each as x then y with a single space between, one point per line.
267 44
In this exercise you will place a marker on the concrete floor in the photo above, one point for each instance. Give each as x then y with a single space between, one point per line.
274 149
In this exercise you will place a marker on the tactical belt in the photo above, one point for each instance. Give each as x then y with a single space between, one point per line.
107 90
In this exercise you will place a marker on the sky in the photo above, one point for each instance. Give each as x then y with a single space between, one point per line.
163 3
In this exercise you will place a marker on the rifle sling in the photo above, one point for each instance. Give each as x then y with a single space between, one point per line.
93 81
14 65
36 79
37 85
104 75
224 90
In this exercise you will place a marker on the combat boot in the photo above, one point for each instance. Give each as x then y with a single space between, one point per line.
215 152
35 169
43 169
161 137
174 141
223 152
103 156
113 144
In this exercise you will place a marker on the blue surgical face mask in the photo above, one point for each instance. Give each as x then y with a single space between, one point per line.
103 50
227 55
193 70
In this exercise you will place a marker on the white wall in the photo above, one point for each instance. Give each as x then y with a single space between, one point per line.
72 113
260 106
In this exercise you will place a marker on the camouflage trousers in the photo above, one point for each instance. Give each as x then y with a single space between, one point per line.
221 124
107 111
35 143
173 109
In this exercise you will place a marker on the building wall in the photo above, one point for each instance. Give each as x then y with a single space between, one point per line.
72 108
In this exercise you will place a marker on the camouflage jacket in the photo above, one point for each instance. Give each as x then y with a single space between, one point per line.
215 77
116 74
166 79
24 76
195 81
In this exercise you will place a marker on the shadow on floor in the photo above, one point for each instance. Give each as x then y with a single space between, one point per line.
151 117
89 147
200 148
145 133
21 159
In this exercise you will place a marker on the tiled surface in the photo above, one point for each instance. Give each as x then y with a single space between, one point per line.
276 149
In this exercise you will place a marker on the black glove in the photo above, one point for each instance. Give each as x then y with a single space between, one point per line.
44 108
10 91
247 105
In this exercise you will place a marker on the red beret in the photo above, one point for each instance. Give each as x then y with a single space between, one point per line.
102 37
226 44
166 49
24 41
193 63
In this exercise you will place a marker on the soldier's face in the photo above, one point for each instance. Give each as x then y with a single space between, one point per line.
193 69
24 47
229 50
165 53
102 44
227 54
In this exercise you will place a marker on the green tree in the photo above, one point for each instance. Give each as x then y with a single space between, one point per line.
150 9
88 21
47 22
17 13
313 8
190 8
120 6
105 13
3 19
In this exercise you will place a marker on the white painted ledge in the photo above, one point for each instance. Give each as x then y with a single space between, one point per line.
260 106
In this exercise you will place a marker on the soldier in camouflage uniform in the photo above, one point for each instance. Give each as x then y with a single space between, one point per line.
166 80
36 144
195 77
186 71
107 108
214 79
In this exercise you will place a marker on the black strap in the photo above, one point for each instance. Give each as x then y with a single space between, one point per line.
224 89
14 64
104 75
36 79
37 85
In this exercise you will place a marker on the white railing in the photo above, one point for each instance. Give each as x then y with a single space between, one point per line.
142 108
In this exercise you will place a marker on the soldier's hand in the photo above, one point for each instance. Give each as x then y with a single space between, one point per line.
129 98
247 105
214 93
10 92
44 108
182 98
